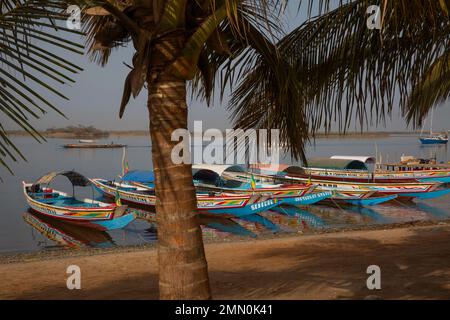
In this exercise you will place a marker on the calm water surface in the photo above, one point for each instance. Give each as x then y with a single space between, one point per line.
23 231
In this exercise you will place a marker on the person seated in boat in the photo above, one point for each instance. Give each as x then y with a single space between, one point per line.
36 188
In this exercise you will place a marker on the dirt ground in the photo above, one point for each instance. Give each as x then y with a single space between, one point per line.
414 262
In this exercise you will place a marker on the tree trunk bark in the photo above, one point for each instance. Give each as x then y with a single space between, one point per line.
183 272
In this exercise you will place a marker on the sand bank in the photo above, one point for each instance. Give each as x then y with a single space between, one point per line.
414 262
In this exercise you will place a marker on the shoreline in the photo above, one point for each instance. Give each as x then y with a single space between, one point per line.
143 133
414 262
60 253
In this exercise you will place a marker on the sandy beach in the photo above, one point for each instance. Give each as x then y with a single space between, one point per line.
414 262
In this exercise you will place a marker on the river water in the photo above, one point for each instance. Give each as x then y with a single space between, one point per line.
21 230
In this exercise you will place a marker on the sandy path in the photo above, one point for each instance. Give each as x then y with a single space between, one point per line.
415 263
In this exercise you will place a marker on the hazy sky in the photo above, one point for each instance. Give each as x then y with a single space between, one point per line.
95 98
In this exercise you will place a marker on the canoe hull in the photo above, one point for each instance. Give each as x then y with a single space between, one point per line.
306 199
433 141
369 202
232 205
102 218
428 195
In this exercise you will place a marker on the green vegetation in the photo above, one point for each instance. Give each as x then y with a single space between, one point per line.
76 132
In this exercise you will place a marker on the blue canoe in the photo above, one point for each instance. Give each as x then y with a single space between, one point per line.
307 199
369 202
246 210
117 223
433 140
435 179
427 195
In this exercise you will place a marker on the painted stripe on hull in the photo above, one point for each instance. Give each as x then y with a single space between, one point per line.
428 195
368 202
306 200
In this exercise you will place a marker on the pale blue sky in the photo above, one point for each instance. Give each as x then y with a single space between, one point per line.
95 98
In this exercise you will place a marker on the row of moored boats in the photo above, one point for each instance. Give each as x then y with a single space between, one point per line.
236 191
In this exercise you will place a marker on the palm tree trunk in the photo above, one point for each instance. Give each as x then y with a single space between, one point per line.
183 272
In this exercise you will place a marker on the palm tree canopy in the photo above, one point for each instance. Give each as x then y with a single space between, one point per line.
331 68
29 32
344 70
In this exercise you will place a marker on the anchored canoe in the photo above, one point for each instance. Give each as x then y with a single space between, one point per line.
308 199
434 140
408 190
87 212
366 200
223 204
397 172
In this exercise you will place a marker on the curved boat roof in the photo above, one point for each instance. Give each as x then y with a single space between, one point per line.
336 164
142 176
363 159
219 169
75 178
214 174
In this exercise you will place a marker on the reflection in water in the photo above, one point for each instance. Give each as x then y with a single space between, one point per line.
375 216
105 163
67 235
214 227
435 212
262 221
279 219
300 215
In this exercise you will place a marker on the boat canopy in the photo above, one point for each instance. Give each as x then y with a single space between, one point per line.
293 169
268 168
217 168
75 178
364 159
214 174
142 176
336 164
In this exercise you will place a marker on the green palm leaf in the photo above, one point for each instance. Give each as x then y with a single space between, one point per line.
29 31
345 71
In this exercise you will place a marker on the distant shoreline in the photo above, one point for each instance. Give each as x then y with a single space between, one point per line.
140 133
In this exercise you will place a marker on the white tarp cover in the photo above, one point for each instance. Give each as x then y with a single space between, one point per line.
217 168
364 159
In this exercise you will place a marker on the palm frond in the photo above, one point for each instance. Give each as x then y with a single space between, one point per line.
434 89
29 31
343 70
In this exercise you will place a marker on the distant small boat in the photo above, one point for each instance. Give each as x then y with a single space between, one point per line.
435 139
87 212
93 146
86 141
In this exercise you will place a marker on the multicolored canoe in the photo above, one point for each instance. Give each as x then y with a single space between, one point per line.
223 204
59 205
410 190
361 199
382 173
419 190
301 194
